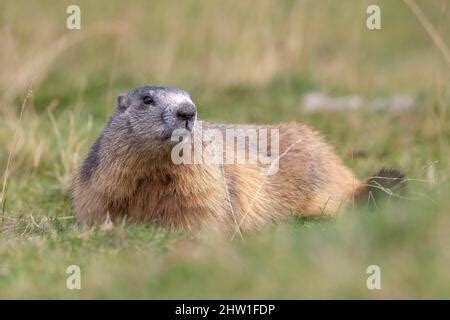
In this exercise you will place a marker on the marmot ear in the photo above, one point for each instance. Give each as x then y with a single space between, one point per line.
122 102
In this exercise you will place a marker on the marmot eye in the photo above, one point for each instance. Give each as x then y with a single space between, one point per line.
147 100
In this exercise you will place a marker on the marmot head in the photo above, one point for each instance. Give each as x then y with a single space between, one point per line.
153 113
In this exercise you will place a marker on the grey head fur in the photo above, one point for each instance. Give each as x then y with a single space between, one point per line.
145 117
155 112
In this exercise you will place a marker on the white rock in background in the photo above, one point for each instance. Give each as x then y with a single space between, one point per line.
350 102
396 103
316 101
319 101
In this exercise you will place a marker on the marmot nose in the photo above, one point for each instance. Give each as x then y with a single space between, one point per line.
186 111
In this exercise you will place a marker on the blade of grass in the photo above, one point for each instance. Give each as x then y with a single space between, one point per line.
13 149
432 32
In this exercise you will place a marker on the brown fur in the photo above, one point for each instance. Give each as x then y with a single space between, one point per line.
145 186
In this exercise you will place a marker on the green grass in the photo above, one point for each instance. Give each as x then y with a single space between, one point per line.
249 69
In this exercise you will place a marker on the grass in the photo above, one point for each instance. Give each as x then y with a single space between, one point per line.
242 64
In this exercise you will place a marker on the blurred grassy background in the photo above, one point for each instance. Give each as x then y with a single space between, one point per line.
243 61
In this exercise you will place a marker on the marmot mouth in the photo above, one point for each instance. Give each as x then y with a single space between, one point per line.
166 135
189 125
